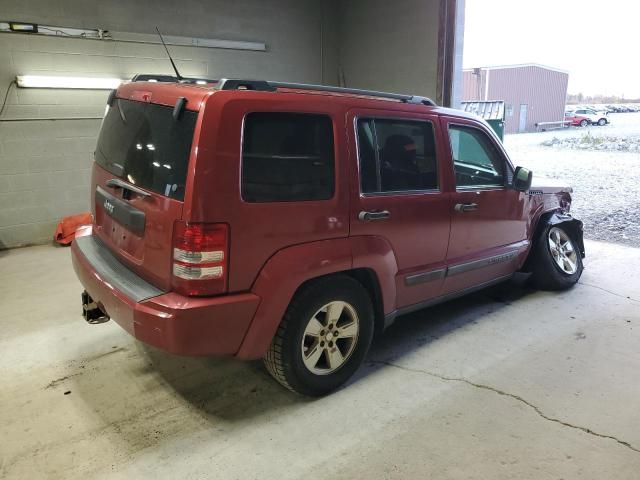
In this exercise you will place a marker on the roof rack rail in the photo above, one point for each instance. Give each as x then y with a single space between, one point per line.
238 84
149 77
270 86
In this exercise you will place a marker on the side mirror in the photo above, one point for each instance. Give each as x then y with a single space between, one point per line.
522 179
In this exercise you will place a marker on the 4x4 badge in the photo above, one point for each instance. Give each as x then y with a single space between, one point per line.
108 206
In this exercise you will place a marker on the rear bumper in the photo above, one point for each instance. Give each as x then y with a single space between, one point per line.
166 320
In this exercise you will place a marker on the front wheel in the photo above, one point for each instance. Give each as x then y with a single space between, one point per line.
324 336
556 262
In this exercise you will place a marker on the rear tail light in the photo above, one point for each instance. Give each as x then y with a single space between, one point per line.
200 258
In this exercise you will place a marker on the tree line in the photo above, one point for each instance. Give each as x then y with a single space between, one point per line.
577 98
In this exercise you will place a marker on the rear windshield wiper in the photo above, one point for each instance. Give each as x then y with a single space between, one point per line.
122 115
117 183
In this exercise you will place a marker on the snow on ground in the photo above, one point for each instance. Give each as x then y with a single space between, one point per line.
605 180
596 141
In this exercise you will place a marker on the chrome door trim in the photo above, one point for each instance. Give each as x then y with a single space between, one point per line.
424 277
430 275
465 267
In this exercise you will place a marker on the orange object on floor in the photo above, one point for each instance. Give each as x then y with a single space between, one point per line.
66 229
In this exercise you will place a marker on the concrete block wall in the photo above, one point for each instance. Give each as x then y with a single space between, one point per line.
391 46
45 164
44 175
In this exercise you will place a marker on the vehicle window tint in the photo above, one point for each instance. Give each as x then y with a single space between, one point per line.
287 157
396 155
143 144
369 169
476 160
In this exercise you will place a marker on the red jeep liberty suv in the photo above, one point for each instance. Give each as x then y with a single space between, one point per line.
290 222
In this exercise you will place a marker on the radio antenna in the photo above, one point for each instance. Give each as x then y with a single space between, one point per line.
175 69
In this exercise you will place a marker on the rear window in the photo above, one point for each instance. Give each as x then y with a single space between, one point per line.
287 157
143 144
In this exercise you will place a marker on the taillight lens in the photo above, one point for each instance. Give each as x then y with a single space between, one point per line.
200 258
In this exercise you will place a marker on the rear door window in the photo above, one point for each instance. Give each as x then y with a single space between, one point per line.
396 155
143 144
287 157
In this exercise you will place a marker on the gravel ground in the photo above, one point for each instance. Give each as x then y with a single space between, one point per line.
606 183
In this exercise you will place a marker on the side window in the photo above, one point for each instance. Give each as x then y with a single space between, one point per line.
396 155
475 158
287 157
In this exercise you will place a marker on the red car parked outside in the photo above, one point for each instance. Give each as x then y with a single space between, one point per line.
575 120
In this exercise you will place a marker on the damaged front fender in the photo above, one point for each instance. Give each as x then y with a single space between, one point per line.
573 226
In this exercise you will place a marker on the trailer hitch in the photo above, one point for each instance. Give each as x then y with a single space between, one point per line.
91 312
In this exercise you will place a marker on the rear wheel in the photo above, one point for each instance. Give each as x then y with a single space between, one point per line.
584 123
324 336
602 122
556 262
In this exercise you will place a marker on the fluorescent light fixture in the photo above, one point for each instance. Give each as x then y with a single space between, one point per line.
45 81
189 41
101 34
23 27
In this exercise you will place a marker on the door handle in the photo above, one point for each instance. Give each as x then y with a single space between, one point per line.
466 207
369 216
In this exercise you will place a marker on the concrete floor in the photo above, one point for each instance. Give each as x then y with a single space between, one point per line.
507 383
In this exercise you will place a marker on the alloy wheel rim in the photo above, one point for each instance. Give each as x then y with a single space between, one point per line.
330 338
563 251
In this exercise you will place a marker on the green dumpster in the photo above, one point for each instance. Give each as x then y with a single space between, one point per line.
491 111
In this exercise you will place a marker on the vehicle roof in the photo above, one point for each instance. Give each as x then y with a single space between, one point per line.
164 93
167 93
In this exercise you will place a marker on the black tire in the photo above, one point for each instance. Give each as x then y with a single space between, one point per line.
284 360
602 122
546 274
584 123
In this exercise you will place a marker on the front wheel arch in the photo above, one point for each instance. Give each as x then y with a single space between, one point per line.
573 226
556 258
